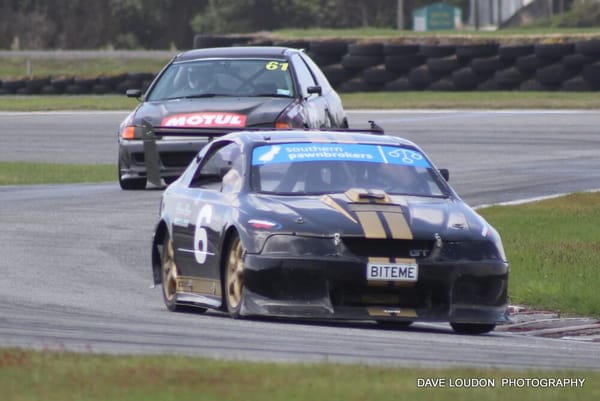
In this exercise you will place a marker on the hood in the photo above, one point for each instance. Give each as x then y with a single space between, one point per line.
213 112
373 215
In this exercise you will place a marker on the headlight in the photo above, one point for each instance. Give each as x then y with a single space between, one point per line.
293 245
471 251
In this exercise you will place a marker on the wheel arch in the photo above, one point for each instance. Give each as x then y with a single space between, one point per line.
159 237
230 233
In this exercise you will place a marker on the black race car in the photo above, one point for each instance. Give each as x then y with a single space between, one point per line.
219 89
326 224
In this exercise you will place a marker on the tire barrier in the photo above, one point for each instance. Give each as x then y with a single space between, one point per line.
358 66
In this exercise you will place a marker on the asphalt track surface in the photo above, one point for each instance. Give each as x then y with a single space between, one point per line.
75 259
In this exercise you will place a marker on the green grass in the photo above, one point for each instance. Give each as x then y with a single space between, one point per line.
377 100
74 102
17 67
18 173
49 376
553 250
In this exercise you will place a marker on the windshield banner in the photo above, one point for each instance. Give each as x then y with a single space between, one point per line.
310 152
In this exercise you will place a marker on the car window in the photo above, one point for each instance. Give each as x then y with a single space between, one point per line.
220 169
224 77
305 78
317 168
321 78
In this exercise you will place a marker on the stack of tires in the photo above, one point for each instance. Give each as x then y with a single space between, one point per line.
328 55
61 85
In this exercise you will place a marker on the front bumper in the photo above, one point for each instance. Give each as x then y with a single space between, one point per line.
469 292
174 157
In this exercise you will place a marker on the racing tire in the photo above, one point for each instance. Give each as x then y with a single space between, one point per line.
577 84
472 328
437 51
366 49
553 51
400 49
488 64
443 65
512 52
476 51
588 47
233 275
331 47
168 272
132 184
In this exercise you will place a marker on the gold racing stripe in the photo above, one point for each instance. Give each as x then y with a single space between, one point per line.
371 225
329 201
398 226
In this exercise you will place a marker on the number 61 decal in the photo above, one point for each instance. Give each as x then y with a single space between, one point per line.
276 65
200 236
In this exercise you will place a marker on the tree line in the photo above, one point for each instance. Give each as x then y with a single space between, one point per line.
165 24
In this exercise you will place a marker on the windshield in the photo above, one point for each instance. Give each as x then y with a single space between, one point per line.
218 77
317 168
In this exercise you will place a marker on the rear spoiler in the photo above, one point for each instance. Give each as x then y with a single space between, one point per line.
151 133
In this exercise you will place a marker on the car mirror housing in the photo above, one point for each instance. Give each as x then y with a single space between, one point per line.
133 93
314 89
445 173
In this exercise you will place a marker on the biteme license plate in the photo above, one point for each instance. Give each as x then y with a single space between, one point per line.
392 271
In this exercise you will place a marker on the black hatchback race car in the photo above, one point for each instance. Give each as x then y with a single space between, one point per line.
323 224
219 89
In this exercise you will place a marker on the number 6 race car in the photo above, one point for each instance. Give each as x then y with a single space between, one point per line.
326 224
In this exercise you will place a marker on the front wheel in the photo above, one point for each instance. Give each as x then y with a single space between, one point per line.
472 328
131 183
169 279
234 278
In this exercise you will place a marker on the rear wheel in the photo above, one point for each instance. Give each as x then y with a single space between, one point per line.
234 278
472 328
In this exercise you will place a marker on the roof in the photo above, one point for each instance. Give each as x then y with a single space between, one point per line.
234 52
322 136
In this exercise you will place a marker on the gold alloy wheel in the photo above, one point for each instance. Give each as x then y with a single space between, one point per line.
169 272
234 276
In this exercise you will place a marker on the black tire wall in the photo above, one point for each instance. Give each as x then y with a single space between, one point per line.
360 66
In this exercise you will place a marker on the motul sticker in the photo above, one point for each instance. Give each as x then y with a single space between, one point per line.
205 120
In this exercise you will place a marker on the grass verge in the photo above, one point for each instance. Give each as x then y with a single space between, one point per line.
552 247
49 376
371 100
18 173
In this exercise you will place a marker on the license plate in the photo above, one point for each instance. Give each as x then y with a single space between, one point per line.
392 271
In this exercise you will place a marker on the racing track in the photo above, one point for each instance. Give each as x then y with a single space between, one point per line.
75 258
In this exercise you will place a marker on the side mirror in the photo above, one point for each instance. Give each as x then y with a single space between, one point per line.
133 93
445 173
314 89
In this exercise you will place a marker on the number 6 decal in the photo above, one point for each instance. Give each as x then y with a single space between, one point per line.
200 237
